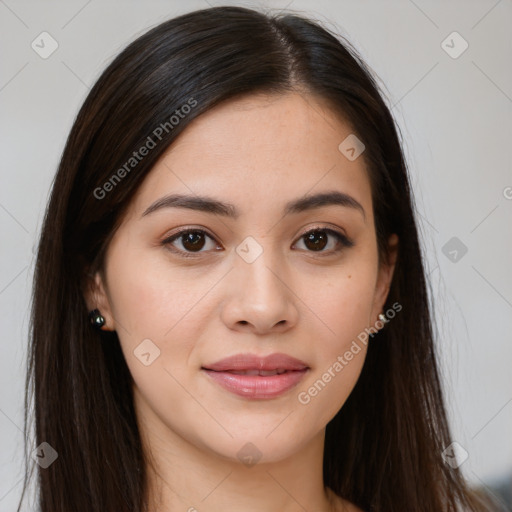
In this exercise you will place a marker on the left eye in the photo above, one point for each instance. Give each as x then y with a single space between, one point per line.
317 239
194 240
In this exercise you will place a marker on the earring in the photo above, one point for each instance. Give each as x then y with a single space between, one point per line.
96 319
383 318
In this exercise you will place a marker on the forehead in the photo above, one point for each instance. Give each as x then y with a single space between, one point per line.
260 146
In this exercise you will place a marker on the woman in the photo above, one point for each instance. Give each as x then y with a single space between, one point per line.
230 308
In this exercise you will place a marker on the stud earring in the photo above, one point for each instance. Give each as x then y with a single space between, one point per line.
383 318
96 318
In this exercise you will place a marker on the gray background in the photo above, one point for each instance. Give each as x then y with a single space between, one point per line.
455 116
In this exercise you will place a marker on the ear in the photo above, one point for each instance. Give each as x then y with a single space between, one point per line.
386 271
96 297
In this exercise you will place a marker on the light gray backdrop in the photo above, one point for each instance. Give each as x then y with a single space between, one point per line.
446 69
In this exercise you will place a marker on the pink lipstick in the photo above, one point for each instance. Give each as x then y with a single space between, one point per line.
255 377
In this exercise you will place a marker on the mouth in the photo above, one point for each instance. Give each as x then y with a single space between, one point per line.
261 373
254 377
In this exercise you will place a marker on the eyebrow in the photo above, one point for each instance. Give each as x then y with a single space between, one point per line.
216 207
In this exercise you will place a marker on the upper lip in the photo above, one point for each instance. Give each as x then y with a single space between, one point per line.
275 361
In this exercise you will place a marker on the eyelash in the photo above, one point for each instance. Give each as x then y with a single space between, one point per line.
344 241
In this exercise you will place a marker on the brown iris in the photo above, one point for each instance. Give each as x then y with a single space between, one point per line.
316 240
193 240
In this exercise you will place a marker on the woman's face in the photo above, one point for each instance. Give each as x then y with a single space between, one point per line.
247 278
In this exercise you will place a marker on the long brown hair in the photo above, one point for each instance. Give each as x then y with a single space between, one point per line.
383 449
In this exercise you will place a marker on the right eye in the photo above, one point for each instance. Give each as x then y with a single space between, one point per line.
192 242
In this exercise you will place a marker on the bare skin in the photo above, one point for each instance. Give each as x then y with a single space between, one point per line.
257 154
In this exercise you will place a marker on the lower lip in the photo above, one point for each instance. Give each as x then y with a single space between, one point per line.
255 386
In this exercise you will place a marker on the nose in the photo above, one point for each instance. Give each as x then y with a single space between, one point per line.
259 296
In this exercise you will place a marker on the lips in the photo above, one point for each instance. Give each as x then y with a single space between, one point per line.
254 377
251 362
261 373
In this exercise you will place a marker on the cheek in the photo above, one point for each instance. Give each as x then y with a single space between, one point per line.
159 312
343 306
150 298
155 312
